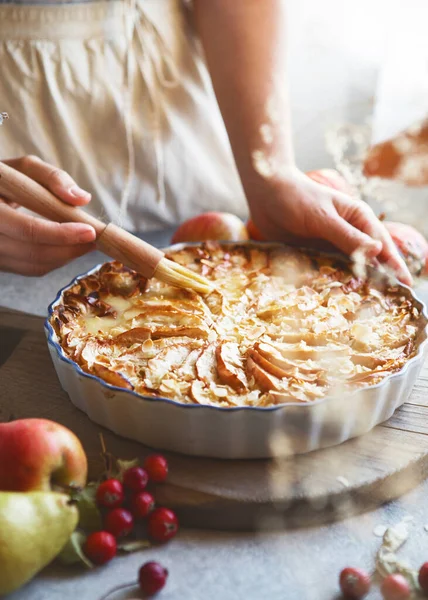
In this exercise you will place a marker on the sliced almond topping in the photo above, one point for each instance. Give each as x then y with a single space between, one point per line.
187 370
303 352
167 315
367 376
200 393
167 360
91 350
259 260
215 302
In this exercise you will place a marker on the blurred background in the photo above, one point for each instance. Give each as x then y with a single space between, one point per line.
359 74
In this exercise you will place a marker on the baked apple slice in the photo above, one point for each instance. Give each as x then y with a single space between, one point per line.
265 380
138 335
206 365
190 332
111 377
230 366
263 361
271 360
283 398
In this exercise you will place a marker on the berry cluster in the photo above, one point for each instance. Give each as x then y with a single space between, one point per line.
355 584
123 504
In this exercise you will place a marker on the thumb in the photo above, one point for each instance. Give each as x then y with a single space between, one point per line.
348 239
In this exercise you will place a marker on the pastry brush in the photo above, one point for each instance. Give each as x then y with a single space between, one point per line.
111 239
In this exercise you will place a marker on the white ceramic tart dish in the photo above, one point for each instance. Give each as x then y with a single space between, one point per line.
292 352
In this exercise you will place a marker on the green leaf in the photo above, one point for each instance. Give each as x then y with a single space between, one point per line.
72 553
124 465
133 546
89 515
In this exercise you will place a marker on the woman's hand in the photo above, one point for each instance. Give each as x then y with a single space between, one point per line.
295 206
33 246
248 68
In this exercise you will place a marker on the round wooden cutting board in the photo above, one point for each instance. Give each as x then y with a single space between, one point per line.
306 490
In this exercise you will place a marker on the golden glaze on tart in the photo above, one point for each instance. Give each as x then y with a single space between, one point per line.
282 326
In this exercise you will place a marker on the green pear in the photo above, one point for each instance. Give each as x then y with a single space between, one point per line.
34 527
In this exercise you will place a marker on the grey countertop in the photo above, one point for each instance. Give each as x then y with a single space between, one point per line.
301 564
298 565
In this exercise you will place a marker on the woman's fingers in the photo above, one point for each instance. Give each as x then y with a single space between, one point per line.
391 256
349 239
39 258
11 265
27 228
56 180
33 246
362 218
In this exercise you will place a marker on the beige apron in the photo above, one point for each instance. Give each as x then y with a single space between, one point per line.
117 93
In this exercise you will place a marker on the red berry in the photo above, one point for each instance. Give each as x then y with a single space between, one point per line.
157 467
119 522
395 587
135 479
110 493
163 524
142 504
152 577
354 583
100 547
423 577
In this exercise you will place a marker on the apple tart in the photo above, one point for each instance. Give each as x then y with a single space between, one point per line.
282 326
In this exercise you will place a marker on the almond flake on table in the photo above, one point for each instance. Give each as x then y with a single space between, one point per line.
343 481
379 530
387 561
408 519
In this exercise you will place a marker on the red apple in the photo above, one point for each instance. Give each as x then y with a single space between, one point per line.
253 232
412 245
40 455
211 226
331 178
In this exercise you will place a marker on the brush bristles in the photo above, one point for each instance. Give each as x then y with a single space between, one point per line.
175 274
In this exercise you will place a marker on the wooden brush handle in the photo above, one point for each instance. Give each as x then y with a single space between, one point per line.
130 250
112 240
17 187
